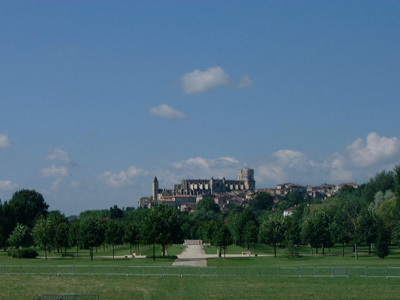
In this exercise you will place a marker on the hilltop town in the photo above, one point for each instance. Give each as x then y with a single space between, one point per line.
228 193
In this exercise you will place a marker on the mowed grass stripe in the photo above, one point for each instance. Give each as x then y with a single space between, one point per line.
171 287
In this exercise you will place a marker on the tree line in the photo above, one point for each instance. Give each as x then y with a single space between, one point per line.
368 215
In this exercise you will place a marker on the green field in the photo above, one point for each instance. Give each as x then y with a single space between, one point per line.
170 287
213 287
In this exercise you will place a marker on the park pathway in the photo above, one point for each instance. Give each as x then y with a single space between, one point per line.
193 256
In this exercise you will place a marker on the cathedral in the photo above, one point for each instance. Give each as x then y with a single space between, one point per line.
196 187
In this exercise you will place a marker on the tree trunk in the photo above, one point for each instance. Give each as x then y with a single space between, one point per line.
323 249
369 248
355 251
163 251
342 249
45 251
154 252
113 249
274 250
91 253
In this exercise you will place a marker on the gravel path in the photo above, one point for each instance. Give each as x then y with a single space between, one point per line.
193 256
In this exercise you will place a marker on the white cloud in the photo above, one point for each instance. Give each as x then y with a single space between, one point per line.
375 149
122 178
55 172
199 167
59 155
294 166
338 171
288 157
7 185
4 140
167 112
271 172
197 82
203 163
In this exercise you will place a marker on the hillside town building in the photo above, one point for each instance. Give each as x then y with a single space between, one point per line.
228 192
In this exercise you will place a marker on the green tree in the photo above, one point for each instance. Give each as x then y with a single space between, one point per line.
250 234
222 237
114 234
262 201
237 224
272 229
116 212
207 209
91 233
353 208
295 197
316 229
74 234
20 237
162 226
26 206
382 239
44 234
61 226
131 235
368 222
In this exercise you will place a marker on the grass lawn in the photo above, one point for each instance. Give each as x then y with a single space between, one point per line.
169 287
102 257
194 287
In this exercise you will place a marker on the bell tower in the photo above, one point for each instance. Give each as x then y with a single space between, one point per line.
155 188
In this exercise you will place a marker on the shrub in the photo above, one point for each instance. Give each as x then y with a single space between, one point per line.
23 253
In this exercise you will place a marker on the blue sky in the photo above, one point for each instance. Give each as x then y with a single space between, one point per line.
98 97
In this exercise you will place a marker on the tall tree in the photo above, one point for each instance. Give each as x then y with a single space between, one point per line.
353 208
44 234
222 237
250 234
316 229
162 226
61 226
26 206
272 229
114 234
131 235
91 232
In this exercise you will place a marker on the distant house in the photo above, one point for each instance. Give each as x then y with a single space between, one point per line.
288 212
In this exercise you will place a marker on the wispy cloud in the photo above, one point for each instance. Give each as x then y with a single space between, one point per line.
54 171
4 140
8 185
123 178
59 170
198 82
167 112
203 163
59 155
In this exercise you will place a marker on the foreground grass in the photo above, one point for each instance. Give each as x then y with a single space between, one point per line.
169 287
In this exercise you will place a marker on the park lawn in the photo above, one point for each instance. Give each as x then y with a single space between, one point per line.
102 257
13 287
307 260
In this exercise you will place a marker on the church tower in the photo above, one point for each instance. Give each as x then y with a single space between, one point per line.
155 188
